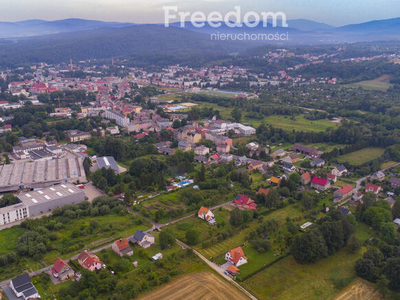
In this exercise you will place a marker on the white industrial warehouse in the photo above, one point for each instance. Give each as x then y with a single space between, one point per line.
41 201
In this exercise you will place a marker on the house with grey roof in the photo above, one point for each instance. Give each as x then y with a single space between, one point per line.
23 287
143 239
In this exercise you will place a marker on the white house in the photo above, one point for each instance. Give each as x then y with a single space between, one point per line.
23 287
236 257
143 239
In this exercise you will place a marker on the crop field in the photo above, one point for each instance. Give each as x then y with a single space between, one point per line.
379 84
196 286
359 289
288 279
361 156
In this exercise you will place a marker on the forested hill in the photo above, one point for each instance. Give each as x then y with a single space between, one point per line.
105 43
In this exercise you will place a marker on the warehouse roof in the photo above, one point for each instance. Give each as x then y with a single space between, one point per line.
49 194
107 162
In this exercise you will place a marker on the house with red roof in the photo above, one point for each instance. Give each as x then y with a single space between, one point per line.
342 193
320 184
62 270
305 178
263 191
89 261
236 257
331 177
244 202
373 188
205 214
121 247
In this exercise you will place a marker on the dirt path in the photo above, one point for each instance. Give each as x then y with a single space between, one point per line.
359 289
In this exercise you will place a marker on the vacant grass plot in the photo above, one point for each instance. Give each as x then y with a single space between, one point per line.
379 84
299 123
361 156
288 279
9 238
204 285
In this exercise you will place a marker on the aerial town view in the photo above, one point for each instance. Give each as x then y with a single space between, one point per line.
199 150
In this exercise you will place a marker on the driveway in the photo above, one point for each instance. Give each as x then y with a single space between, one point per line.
91 191
9 293
226 265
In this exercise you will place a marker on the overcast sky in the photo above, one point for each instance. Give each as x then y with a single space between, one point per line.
333 12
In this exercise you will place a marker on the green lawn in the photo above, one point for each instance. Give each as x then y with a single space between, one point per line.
289 280
371 85
361 156
299 123
9 238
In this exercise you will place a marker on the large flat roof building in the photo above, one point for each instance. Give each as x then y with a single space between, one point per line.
107 162
41 173
41 201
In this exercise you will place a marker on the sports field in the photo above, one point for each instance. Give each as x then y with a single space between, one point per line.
196 286
361 156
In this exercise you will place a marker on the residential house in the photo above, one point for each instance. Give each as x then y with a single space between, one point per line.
236 257
193 137
255 165
121 247
294 157
278 153
394 182
143 239
113 130
263 191
331 177
223 148
397 222
201 150
227 157
373 188
62 270
305 178
320 184
288 168
318 162
344 210
275 180
184 146
77 135
89 261
205 214
391 201
244 202
379 175
305 150
343 193
253 146
23 287
357 196
201 159
339 170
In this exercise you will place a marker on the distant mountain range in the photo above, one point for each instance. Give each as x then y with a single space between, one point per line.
56 41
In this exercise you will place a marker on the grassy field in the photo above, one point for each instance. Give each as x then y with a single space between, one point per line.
361 156
379 84
388 164
299 123
342 183
288 279
9 238
196 286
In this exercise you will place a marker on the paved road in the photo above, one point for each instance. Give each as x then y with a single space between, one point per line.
217 268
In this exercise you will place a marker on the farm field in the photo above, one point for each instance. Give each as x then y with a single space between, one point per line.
322 280
380 84
196 286
359 289
361 156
